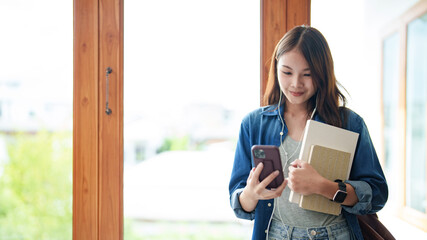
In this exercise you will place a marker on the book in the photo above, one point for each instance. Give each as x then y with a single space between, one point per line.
331 164
325 135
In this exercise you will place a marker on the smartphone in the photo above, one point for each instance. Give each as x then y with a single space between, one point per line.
270 157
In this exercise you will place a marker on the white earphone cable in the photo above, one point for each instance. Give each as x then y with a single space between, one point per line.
286 154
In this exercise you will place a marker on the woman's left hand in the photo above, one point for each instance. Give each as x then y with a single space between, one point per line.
303 178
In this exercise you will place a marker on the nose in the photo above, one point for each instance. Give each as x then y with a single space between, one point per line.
296 81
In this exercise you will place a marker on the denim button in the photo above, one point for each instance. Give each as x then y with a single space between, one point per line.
313 232
269 204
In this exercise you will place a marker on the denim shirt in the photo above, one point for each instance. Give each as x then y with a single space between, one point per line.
262 127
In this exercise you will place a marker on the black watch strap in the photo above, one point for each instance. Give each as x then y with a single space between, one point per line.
341 194
341 185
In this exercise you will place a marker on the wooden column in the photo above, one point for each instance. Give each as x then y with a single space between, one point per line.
97 136
111 126
277 17
85 120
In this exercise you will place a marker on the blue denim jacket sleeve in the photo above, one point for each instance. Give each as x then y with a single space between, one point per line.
366 175
241 169
237 208
364 194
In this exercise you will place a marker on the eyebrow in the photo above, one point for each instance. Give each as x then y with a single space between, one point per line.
286 66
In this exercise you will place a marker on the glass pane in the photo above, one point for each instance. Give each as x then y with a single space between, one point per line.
390 108
36 93
416 114
191 73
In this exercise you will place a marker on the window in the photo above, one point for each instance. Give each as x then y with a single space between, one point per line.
98 137
404 108
35 143
369 45
390 85
416 96
189 80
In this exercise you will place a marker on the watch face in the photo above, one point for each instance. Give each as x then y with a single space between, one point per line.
340 196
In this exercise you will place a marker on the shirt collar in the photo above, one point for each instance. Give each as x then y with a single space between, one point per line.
272 110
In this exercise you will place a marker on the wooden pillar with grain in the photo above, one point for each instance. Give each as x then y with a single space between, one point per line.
278 17
85 120
111 125
97 135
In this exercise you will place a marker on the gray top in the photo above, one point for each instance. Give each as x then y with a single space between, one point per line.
291 213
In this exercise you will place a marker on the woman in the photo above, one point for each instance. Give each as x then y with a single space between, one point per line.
302 86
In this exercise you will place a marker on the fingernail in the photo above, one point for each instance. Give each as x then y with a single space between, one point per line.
260 164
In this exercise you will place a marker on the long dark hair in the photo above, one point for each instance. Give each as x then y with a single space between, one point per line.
312 44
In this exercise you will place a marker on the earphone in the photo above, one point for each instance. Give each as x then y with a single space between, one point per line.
283 123
296 149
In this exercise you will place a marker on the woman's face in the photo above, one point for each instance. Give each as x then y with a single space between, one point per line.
294 77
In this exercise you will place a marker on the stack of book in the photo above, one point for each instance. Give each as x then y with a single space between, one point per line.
330 150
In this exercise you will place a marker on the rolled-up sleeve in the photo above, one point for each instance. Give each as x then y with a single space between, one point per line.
366 175
364 194
237 208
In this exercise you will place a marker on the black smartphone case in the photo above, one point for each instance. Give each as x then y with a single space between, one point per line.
270 157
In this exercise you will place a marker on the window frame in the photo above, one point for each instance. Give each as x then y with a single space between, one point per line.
400 26
97 136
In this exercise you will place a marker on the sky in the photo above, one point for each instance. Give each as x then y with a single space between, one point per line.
186 56
190 56
175 55
38 51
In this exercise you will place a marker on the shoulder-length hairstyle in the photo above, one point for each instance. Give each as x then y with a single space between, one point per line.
312 44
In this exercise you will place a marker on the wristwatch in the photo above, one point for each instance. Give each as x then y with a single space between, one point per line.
341 193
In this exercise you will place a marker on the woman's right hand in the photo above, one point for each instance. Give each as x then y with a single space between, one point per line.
256 190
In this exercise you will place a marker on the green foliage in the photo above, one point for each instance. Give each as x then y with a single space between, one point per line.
174 144
36 187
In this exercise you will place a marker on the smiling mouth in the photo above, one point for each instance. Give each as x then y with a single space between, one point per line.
296 94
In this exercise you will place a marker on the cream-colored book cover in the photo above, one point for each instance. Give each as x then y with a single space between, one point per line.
317 133
331 164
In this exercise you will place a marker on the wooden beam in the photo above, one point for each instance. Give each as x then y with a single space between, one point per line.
85 120
297 13
111 125
278 17
98 137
